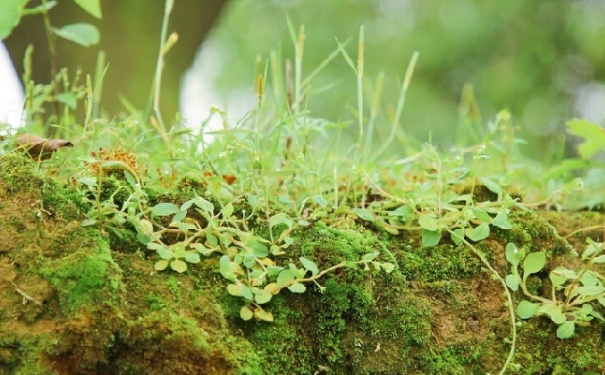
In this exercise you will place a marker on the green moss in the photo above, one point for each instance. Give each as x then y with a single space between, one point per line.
541 351
282 346
442 262
85 276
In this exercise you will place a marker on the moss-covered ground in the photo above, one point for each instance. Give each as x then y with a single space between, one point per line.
79 301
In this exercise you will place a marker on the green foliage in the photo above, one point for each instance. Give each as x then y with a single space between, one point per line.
279 175
573 293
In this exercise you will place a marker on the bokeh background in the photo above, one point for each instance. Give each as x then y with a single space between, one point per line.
542 60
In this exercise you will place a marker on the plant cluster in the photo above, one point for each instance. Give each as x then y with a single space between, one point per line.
265 180
572 292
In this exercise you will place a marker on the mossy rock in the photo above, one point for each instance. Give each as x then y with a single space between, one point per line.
82 301
70 308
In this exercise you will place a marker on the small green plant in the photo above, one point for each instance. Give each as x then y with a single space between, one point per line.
248 261
66 88
573 292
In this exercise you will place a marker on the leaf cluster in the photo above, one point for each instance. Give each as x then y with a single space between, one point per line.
573 292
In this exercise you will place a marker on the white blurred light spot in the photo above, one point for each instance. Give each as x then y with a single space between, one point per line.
199 94
11 92
590 102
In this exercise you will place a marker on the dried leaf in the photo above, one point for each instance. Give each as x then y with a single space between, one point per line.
38 147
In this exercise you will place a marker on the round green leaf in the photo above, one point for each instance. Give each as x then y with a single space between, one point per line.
566 330
526 309
297 288
234 290
192 257
285 277
258 249
245 313
430 237
262 297
161 265
388 267
534 262
370 256
225 268
556 279
164 252
178 265
246 292
145 226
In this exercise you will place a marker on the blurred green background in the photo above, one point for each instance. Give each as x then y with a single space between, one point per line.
542 60
531 57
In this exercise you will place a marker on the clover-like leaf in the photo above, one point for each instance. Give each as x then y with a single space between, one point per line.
388 267
205 205
403 213
280 218
481 215
164 252
258 249
274 270
556 279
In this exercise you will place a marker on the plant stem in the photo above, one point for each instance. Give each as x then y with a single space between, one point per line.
54 71
509 298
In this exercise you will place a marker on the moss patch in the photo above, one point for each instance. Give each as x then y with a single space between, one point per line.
81 302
